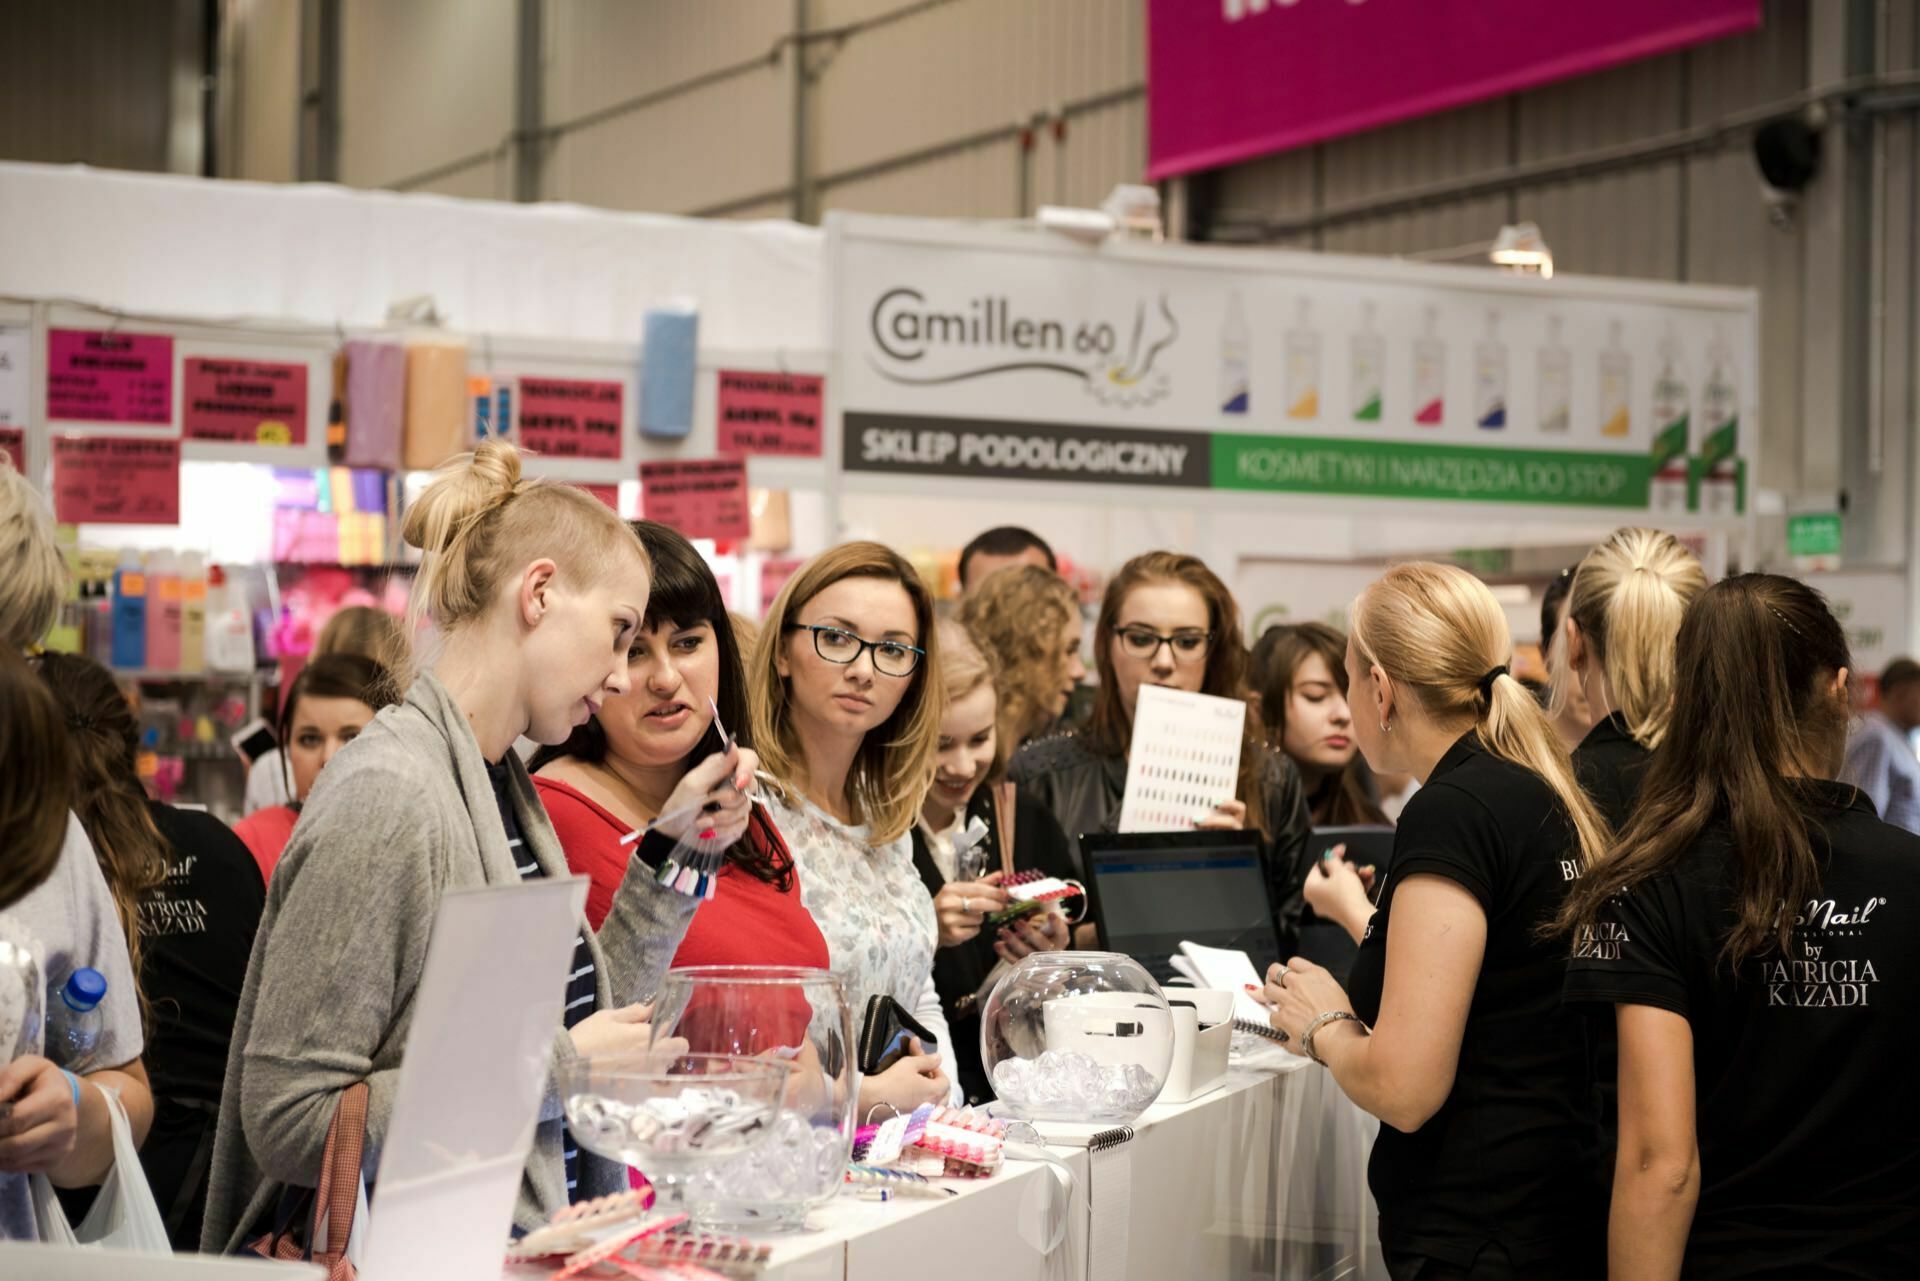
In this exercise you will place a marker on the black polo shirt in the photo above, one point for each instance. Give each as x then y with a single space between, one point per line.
1507 1160
1806 1112
1610 763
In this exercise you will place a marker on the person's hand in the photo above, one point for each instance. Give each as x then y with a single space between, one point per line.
38 1121
1043 932
915 1079
1296 994
962 907
1337 891
711 800
625 1032
1227 816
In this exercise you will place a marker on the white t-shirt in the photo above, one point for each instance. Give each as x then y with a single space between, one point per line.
70 923
266 784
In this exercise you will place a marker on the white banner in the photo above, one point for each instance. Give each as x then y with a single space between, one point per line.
1015 353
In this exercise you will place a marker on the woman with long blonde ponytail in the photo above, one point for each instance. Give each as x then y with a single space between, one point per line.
1616 652
1454 1035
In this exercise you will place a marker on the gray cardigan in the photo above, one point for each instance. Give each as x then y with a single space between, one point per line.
403 814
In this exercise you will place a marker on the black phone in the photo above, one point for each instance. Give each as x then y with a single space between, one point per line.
885 1033
254 740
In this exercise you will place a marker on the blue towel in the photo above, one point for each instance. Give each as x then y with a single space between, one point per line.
669 350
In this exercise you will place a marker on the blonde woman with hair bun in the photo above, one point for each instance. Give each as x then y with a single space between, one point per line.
1454 1035
1622 614
535 590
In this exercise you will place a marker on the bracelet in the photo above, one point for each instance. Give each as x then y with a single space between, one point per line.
73 1081
1330 1016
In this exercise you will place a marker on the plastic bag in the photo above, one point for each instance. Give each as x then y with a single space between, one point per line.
124 1216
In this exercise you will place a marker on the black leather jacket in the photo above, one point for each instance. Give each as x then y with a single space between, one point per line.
1084 791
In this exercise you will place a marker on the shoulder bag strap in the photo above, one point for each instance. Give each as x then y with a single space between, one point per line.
1003 794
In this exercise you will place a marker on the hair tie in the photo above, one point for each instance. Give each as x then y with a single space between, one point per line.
76 720
1486 682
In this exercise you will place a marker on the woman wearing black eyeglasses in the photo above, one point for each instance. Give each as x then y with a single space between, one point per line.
847 702
1168 620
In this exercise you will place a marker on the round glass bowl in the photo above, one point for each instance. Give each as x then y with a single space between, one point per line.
1077 1036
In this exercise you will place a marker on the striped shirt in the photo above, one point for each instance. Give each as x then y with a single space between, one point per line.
580 985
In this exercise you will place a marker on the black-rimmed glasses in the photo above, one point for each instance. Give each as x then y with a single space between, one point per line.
836 645
1143 643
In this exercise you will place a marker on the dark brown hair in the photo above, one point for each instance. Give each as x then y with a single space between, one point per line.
1278 654
108 797
686 594
1110 730
36 779
1753 715
333 675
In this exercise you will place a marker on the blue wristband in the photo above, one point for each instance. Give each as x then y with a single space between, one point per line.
73 1081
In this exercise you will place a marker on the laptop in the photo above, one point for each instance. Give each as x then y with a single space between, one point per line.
1150 891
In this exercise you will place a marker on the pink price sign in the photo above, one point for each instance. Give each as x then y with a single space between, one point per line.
250 401
116 480
13 443
701 499
98 377
570 418
763 413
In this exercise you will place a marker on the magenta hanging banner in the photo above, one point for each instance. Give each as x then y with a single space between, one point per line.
1231 79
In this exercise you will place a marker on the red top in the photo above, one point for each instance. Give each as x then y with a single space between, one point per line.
265 834
749 922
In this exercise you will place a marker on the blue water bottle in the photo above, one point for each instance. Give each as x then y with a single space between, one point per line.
74 1018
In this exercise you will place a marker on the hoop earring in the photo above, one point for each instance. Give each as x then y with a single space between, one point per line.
1386 727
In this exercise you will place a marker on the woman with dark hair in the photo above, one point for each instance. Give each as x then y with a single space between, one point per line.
1168 620
187 888
1302 694
615 772
1752 931
36 780
332 699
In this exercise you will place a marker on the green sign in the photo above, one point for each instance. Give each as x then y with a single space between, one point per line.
1455 473
1814 535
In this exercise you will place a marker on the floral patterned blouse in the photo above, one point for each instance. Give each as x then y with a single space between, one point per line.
867 899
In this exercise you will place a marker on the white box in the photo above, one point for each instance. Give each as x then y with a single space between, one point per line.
1202 1036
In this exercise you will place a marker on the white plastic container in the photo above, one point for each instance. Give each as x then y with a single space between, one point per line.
1202 1037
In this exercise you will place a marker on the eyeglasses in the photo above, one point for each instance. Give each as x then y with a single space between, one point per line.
1144 643
890 658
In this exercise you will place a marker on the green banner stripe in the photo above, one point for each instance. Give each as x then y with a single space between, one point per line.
1457 473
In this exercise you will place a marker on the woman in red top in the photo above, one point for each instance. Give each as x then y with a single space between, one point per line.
616 771
332 699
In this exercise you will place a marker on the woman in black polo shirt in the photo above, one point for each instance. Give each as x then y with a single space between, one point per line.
1622 613
1768 1121
1455 1036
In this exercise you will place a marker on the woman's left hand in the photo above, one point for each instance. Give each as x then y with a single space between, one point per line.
711 800
1296 994
1046 932
1227 816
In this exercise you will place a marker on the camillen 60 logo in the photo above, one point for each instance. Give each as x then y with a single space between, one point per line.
986 337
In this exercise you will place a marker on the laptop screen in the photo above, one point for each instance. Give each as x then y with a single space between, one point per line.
1153 891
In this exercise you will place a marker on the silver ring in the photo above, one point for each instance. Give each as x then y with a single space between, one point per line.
1282 979
966 905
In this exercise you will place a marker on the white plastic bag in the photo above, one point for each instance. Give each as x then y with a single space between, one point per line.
124 1215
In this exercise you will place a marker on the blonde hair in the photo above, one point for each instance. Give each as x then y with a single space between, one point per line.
36 575
966 667
479 521
369 633
1437 632
1628 597
894 765
1017 616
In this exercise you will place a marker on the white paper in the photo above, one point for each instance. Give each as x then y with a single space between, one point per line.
14 398
1184 761
1226 970
459 1137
